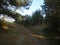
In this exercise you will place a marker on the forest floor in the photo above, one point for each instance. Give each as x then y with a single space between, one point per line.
22 36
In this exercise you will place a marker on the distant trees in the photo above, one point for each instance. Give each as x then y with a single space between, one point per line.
35 19
27 21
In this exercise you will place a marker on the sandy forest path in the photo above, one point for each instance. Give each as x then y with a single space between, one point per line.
22 36
25 36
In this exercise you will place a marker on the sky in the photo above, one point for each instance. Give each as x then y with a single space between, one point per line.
34 6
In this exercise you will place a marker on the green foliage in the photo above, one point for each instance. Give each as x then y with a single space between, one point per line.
52 12
37 18
19 2
49 31
4 10
27 22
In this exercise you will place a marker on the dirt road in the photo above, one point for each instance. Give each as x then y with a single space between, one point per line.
23 36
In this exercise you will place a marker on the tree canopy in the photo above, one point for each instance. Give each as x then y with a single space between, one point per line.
20 2
37 17
52 11
4 4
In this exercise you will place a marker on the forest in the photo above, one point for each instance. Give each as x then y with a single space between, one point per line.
16 29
